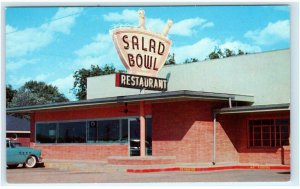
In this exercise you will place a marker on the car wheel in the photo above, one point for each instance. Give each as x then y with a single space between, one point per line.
30 162
12 166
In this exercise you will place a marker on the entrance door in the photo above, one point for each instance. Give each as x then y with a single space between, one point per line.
134 137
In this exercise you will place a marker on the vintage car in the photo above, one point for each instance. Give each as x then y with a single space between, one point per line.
16 155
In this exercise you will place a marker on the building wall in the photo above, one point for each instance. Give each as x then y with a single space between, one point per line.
256 75
185 130
23 138
83 151
237 128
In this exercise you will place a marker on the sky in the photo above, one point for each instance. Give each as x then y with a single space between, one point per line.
50 44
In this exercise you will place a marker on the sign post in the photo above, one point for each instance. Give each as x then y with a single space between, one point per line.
143 53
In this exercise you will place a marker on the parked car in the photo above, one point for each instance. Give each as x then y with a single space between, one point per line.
16 155
135 149
16 143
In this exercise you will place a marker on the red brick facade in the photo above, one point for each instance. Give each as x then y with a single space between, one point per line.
181 128
23 138
236 126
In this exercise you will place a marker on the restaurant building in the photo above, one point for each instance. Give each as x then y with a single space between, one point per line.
231 110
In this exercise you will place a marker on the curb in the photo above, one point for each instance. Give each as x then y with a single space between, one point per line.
205 169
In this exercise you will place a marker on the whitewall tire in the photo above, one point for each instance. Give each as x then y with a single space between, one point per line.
31 162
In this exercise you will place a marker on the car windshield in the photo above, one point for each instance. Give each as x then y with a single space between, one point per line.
16 144
11 144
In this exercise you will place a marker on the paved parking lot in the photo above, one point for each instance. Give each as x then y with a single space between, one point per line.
52 175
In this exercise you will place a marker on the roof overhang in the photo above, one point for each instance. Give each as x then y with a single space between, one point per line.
199 95
251 109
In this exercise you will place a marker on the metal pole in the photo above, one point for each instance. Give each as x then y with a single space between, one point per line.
230 103
214 143
142 129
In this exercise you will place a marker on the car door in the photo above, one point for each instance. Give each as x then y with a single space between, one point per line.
13 155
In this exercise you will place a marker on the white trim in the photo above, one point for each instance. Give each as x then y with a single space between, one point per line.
17 131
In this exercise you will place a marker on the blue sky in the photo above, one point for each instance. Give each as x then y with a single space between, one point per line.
49 44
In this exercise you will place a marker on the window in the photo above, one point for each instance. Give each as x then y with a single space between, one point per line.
72 132
268 133
97 131
46 133
107 131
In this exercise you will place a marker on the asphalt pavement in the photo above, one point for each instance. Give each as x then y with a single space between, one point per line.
53 175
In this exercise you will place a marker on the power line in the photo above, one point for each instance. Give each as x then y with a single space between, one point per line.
52 20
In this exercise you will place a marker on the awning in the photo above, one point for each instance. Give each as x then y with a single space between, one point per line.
200 95
256 108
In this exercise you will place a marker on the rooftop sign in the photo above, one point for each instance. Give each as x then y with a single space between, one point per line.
142 52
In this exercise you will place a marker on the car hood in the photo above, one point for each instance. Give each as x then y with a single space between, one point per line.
28 149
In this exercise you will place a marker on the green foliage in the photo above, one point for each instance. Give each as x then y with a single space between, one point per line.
227 53
10 93
170 60
36 93
216 54
191 60
80 76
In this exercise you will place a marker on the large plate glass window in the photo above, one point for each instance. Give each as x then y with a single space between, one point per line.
72 132
46 132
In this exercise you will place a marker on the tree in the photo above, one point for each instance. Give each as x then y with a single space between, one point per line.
191 60
36 93
216 54
171 59
81 75
10 93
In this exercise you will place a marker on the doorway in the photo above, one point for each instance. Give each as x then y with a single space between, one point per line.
134 136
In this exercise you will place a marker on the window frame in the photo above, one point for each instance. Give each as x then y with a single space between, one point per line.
274 119
86 127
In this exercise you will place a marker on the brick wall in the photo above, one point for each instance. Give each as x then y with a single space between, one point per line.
23 138
237 128
82 151
185 130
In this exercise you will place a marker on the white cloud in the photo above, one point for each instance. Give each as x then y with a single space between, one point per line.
100 51
128 16
208 25
10 29
28 40
271 34
99 44
186 27
198 50
63 20
237 45
155 24
204 47
14 65
65 85
17 80
41 77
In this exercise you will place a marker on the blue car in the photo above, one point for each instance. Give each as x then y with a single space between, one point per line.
16 155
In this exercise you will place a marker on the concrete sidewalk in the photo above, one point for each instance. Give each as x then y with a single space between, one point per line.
103 166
